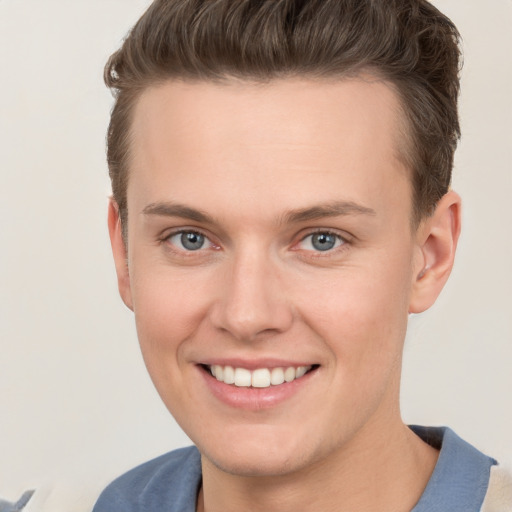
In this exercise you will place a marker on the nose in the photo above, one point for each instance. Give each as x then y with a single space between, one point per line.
252 302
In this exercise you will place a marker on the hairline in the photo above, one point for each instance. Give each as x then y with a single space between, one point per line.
403 138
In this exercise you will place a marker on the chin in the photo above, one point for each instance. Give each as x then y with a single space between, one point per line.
260 464
259 456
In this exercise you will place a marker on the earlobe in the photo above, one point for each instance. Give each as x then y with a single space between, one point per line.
119 252
437 241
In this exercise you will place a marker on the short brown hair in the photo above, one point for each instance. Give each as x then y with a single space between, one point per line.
408 43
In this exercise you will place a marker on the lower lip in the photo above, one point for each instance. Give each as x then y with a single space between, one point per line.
250 398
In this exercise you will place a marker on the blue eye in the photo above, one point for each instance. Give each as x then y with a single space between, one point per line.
322 241
188 240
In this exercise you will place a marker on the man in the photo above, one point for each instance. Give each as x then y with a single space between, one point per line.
281 203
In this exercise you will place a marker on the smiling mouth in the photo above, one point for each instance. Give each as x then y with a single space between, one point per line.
259 378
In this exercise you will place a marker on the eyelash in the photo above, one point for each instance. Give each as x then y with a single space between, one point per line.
342 241
183 251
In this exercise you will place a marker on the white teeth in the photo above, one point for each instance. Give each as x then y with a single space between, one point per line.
289 374
301 371
260 378
242 377
218 372
277 376
229 375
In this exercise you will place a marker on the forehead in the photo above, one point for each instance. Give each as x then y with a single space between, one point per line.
324 138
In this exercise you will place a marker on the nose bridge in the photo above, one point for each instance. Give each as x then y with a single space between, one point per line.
252 300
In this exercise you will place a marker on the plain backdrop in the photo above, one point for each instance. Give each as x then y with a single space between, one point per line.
77 407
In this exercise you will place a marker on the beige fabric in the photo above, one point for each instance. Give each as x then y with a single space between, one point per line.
499 493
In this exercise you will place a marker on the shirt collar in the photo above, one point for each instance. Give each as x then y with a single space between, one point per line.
461 476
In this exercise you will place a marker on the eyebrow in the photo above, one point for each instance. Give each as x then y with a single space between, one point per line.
169 209
331 209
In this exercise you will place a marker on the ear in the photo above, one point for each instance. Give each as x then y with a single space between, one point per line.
119 252
437 239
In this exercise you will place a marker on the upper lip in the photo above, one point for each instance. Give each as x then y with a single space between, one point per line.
255 364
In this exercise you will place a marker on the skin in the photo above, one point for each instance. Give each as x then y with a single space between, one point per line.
255 159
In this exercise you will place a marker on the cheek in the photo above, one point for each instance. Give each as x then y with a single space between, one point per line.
168 310
361 313
362 321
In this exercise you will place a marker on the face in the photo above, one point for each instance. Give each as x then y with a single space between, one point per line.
269 239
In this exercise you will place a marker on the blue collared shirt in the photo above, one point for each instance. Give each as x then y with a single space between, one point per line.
171 482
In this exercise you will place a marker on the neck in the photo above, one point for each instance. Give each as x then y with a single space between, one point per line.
380 469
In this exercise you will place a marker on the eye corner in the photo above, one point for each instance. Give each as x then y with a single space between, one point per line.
321 241
187 241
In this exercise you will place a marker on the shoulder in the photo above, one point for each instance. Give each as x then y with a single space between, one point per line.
171 480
